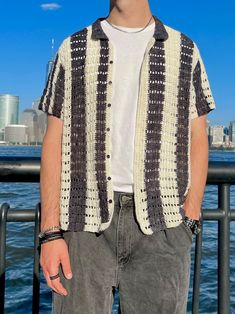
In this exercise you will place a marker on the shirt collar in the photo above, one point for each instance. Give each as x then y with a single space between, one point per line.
160 32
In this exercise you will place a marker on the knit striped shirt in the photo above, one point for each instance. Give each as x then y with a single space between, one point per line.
173 90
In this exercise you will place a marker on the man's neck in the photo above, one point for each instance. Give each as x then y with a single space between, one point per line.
130 13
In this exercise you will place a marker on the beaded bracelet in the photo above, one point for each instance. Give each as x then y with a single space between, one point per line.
51 236
49 229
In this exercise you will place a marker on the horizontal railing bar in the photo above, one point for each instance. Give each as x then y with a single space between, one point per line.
21 215
19 169
26 215
27 169
221 172
217 214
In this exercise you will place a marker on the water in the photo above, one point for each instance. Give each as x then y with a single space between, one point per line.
19 262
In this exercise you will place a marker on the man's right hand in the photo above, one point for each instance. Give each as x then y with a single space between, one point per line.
52 254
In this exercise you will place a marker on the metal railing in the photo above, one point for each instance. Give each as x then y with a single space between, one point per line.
222 174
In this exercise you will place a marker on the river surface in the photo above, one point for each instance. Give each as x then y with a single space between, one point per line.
19 261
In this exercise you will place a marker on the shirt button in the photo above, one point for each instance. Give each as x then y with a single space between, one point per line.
110 201
108 156
108 129
110 82
109 178
111 61
109 105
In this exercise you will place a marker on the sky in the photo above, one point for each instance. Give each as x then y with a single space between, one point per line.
27 28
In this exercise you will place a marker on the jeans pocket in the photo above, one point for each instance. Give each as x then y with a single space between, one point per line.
187 230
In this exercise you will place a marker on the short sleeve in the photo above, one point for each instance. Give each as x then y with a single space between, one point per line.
202 101
52 99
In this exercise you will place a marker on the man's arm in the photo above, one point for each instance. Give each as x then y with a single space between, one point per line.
53 252
50 173
199 167
201 103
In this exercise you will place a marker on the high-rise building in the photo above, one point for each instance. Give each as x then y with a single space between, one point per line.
209 132
50 62
232 131
35 104
226 131
217 133
42 120
48 69
16 134
9 112
29 118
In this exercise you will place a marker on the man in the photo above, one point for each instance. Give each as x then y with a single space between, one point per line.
124 164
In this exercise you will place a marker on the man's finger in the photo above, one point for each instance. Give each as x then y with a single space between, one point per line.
47 276
65 261
55 284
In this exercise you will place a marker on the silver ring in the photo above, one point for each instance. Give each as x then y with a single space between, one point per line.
54 277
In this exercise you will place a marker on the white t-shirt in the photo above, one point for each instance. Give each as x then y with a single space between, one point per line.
128 53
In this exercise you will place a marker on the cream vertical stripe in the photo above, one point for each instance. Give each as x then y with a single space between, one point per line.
168 145
66 138
140 144
91 70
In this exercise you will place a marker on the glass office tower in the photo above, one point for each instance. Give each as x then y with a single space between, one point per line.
9 111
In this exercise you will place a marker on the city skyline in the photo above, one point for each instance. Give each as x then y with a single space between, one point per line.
29 126
30 35
36 100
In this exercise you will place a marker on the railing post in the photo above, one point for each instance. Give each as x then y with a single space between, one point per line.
224 250
36 267
197 272
3 219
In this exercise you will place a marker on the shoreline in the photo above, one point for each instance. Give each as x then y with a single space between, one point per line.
36 145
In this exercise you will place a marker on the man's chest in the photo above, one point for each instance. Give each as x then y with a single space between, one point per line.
159 70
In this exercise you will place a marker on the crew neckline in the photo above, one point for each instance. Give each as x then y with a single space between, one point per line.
128 28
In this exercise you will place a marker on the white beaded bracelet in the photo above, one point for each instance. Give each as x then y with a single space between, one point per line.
49 229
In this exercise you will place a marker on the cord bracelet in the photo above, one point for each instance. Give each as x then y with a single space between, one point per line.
43 238
42 233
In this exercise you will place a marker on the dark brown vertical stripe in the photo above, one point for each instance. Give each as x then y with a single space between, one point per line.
202 104
78 189
100 138
185 71
154 135
59 93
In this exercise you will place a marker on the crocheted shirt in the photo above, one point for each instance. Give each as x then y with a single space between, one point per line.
173 90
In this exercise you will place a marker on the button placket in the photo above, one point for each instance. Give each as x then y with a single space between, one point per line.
108 124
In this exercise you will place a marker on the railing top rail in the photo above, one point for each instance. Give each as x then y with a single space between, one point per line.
27 169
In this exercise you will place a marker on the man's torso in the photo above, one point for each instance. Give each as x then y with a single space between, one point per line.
161 148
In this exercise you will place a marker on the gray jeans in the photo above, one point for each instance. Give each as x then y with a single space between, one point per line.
151 272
